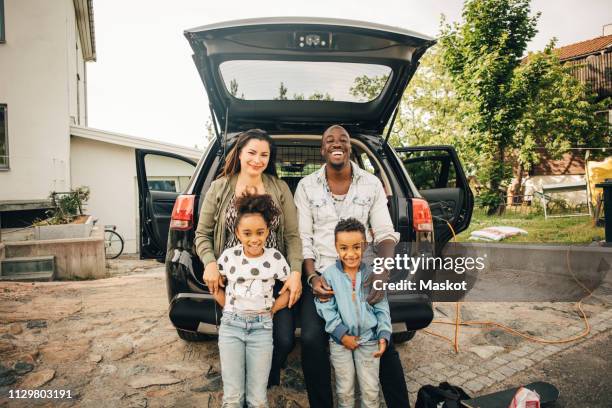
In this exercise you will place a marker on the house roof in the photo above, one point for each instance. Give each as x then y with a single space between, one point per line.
134 142
584 48
83 10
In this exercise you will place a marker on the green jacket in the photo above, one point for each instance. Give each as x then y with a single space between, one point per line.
210 234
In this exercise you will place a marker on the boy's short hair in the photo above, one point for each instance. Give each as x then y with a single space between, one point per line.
349 225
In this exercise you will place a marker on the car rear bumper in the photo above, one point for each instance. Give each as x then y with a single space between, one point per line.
196 312
415 310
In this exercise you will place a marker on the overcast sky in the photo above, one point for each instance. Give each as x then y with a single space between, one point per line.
144 82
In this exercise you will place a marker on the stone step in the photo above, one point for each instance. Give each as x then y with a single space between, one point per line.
28 277
28 269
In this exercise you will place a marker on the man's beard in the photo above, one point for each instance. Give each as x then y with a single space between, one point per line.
337 166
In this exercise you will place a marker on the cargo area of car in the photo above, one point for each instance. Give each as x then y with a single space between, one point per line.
299 158
299 155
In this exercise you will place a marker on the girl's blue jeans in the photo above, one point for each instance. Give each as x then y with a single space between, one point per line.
245 349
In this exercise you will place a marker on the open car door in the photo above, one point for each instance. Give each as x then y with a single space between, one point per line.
161 178
439 177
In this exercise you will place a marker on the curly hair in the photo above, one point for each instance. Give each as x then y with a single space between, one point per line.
349 225
261 204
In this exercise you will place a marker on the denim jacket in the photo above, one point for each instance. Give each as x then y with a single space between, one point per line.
357 317
366 201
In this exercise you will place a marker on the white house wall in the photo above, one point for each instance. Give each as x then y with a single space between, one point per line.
76 72
36 63
109 171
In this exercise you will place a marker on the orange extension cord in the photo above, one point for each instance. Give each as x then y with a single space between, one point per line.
458 322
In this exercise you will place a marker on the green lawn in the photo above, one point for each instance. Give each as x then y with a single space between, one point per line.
571 230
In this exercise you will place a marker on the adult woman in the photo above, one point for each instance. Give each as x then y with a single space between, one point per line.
250 167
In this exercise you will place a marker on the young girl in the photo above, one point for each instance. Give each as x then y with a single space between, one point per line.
245 335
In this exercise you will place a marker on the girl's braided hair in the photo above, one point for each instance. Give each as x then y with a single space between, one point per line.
262 204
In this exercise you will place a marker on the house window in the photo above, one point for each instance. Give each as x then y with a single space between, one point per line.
2 38
4 158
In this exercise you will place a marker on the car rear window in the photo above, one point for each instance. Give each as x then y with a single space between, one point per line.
304 80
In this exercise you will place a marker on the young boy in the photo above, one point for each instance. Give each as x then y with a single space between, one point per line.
359 333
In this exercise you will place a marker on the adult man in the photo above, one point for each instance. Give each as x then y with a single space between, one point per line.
340 189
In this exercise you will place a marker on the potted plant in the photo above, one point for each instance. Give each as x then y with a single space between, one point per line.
66 218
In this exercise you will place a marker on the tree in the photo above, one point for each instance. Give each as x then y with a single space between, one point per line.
481 55
210 134
282 92
315 96
560 114
367 88
233 87
494 110
430 111
320 96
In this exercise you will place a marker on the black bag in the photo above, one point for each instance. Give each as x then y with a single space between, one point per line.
447 395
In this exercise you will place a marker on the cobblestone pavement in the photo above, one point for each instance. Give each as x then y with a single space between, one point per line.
110 342
578 371
478 367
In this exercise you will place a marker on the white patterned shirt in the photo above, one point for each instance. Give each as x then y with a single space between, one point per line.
250 281
318 214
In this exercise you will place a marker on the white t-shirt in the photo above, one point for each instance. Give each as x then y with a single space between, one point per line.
250 281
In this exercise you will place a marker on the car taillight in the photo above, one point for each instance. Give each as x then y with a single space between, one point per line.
182 213
421 215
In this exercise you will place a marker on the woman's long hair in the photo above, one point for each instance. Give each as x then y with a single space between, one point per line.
232 162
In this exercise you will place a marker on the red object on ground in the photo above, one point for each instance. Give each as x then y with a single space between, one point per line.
525 398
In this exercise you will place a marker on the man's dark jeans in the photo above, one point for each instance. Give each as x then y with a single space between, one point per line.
284 339
317 368
283 334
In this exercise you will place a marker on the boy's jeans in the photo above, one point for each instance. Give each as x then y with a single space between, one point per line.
362 362
245 349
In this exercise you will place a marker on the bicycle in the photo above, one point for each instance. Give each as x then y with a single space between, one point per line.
113 242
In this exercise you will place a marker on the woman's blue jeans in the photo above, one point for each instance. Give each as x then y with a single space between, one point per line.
245 349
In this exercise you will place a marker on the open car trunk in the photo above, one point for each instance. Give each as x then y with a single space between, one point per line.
304 73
